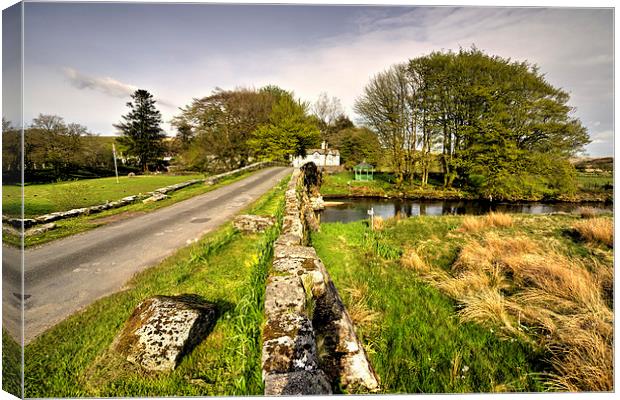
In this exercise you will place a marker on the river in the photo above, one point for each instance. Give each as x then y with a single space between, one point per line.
354 209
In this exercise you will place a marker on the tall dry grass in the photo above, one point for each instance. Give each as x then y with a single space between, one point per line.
587 212
539 295
378 223
596 230
491 220
360 313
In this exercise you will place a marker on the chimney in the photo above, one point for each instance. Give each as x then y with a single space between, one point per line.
323 145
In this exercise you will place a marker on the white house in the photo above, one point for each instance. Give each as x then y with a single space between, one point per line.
323 157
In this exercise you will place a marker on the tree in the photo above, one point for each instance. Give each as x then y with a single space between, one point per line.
289 132
11 152
357 145
142 136
51 142
215 129
386 107
326 110
489 118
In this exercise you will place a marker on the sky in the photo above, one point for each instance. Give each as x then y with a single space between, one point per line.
82 61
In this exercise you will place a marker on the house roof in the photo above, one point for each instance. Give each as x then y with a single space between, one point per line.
333 152
363 165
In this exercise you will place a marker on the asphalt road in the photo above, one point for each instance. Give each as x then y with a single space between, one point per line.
66 275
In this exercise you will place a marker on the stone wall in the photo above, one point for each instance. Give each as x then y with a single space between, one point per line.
303 305
156 195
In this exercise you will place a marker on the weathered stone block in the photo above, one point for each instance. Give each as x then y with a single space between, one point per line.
289 344
317 203
40 229
294 266
284 293
155 197
253 223
292 224
289 239
164 328
281 251
297 383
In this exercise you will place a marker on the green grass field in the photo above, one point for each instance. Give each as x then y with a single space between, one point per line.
71 226
412 331
383 184
414 339
594 182
592 187
11 365
226 267
63 196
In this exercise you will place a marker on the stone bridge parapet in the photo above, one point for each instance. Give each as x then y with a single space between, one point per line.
309 342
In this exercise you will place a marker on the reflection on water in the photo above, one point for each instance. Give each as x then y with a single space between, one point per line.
354 209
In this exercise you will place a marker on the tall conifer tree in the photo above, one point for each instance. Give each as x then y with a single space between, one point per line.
141 132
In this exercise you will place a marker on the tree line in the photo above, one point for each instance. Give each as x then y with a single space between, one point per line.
230 128
52 150
492 126
495 126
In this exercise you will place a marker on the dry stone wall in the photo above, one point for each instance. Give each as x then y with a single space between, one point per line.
302 305
156 195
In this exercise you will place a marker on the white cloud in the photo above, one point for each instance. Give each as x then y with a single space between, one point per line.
574 48
105 85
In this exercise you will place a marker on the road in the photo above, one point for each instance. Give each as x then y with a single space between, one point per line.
66 275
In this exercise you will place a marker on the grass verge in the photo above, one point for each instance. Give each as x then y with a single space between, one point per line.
11 365
428 329
71 226
225 267
63 196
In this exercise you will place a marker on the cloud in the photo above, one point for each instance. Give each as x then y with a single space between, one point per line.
573 48
105 85
602 137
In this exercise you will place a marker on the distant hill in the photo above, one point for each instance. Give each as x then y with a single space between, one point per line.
593 164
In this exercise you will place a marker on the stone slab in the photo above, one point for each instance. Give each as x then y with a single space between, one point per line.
164 328
297 383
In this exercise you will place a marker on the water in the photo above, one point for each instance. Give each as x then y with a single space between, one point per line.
355 209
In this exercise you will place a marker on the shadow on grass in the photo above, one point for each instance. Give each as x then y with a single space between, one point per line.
111 367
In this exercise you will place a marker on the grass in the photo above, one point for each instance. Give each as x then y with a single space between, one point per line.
596 230
11 365
225 267
63 196
525 305
384 185
410 330
71 226
595 182
592 187
492 219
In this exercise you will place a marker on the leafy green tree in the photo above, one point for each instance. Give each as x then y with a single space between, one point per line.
386 106
51 142
490 119
214 130
11 152
142 136
289 131
357 145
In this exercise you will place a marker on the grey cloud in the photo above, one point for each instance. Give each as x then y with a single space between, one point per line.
105 85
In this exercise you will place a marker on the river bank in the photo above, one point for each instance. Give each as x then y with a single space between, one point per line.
342 185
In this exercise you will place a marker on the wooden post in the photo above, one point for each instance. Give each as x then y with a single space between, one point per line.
371 212
115 168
